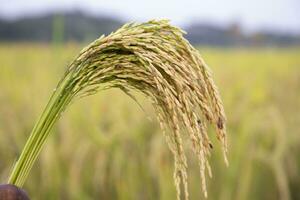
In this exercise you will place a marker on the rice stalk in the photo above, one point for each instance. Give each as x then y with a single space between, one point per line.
152 58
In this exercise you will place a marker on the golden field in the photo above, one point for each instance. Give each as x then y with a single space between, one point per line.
107 147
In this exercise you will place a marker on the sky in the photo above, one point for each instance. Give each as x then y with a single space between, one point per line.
253 15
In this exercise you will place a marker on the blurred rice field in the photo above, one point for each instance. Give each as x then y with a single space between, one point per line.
107 147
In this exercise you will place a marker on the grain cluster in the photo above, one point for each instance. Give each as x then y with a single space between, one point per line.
155 59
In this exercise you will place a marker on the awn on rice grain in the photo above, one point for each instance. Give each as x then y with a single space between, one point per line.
152 58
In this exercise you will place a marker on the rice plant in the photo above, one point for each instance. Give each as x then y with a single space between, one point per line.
154 59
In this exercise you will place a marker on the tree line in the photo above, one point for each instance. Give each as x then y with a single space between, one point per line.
79 26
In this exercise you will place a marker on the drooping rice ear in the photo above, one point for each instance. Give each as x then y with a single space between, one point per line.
154 59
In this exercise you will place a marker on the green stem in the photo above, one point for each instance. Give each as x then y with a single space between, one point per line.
56 105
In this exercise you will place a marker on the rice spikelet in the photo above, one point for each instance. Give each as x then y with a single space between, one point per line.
155 59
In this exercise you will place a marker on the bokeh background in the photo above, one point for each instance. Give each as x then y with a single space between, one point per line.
106 147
